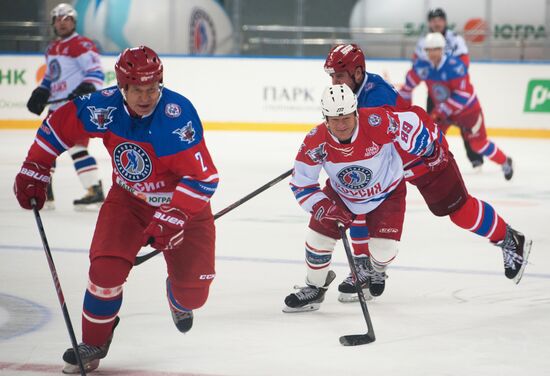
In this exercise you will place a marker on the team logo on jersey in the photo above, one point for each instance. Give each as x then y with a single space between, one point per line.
317 155
108 92
393 128
374 120
172 110
441 92
101 116
355 177
369 86
372 150
55 70
132 162
186 133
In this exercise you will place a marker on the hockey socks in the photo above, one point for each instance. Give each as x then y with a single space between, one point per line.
85 166
490 150
480 218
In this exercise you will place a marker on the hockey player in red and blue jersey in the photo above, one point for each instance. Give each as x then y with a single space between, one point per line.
365 187
454 98
163 179
73 68
443 190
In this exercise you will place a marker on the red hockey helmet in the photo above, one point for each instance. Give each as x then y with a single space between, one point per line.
138 66
345 57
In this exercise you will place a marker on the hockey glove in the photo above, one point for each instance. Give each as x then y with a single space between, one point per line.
38 99
165 232
31 182
82 89
329 214
437 159
439 116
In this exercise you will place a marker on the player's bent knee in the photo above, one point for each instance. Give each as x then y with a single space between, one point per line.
382 251
320 241
109 271
190 297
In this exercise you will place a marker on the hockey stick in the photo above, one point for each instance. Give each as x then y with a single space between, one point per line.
69 98
356 339
57 285
142 259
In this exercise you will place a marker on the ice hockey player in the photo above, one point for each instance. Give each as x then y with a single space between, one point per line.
443 191
163 179
365 187
454 97
73 68
455 46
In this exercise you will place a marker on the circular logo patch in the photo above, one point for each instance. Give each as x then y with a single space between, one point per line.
172 110
132 162
441 92
55 70
355 177
374 120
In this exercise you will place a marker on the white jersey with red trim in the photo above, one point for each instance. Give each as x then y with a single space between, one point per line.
367 169
69 62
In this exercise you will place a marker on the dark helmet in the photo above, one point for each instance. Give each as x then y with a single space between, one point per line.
437 12
138 66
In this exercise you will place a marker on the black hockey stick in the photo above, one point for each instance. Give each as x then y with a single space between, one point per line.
356 339
69 98
142 259
57 285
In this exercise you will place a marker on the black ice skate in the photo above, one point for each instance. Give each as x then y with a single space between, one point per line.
348 292
515 251
183 319
377 283
309 298
92 200
508 169
90 355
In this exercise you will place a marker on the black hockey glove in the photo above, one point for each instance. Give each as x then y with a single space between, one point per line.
38 100
82 89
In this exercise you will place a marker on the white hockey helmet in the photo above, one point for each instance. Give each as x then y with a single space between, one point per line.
63 10
434 40
338 100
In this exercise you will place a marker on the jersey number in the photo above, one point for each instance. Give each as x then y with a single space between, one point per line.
406 129
198 157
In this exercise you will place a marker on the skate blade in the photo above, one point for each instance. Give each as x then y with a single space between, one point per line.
352 297
307 308
87 207
526 252
71 369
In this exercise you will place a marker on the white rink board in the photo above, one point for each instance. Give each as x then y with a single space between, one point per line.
285 90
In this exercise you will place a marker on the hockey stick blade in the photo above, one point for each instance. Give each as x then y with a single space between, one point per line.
356 339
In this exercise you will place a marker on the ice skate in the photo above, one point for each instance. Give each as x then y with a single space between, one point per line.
308 298
183 319
348 292
90 355
377 283
92 200
515 251
508 169
477 166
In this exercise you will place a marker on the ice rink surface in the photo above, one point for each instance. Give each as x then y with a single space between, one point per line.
447 309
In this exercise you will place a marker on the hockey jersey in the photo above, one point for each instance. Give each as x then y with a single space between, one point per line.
374 92
448 85
161 158
365 171
69 62
454 46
